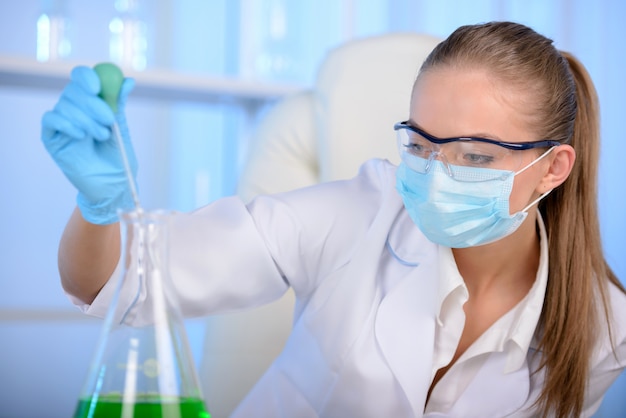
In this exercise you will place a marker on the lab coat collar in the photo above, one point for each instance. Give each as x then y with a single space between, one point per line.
450 280
407 243
515 330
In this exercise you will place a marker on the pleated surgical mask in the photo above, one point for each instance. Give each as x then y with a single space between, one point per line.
459 213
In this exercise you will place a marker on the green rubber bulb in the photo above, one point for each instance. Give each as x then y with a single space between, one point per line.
111 79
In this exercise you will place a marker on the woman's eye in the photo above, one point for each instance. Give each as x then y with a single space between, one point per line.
478 159
415 148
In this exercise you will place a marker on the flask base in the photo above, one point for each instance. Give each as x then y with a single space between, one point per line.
113 405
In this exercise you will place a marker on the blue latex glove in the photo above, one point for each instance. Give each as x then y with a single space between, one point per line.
77 133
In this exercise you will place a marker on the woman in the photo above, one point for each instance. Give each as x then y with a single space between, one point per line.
468 281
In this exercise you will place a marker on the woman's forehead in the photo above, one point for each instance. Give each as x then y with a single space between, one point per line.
452 101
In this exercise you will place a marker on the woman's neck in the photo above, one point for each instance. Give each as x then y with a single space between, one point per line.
510 263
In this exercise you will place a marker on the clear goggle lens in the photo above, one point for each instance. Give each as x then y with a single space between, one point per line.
458 157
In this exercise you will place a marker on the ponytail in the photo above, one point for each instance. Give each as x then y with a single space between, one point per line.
578 271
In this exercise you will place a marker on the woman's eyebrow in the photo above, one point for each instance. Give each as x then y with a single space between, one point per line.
484 135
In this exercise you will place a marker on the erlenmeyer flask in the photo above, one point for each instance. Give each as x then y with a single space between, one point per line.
143 366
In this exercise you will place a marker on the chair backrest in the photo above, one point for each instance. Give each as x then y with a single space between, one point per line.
322 134
363 87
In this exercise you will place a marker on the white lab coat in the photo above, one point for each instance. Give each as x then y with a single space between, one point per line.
365 280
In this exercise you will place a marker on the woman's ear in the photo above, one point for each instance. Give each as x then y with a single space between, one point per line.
561 164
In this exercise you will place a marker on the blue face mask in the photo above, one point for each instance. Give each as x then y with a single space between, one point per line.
459 214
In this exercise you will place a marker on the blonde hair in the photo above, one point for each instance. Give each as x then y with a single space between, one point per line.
562 105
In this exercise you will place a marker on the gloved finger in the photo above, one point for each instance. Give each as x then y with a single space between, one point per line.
56 142
91 104
80 119
86 78
52 123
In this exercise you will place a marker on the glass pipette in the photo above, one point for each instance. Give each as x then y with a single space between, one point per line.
111 79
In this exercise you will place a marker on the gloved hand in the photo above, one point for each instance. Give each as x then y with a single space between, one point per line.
77 133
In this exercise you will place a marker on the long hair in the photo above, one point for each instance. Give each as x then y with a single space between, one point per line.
561 104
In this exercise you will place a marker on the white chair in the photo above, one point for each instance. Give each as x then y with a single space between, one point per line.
363 87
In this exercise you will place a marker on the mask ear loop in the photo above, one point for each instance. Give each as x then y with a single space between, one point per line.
530 164
534 202
531 204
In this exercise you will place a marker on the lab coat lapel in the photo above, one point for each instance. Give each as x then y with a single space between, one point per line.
405 322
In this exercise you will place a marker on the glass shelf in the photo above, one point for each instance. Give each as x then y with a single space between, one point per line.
151 84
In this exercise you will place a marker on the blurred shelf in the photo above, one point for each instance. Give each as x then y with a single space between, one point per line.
46 315
151 84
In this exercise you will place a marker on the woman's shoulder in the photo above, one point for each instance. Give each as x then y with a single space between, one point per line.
373 174
367 191
613 336
617 299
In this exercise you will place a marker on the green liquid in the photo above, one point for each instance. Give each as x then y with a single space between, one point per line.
144 406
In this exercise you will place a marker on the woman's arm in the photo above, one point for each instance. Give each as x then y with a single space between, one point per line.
77 133
88 254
